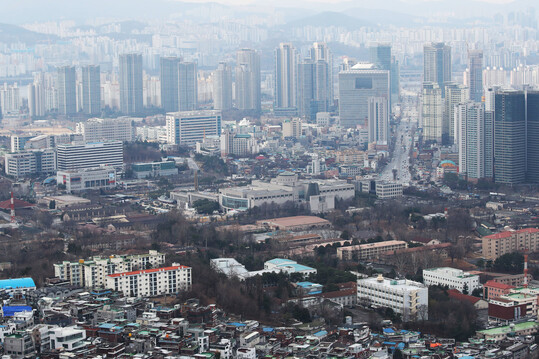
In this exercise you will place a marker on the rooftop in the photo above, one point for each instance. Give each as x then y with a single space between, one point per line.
17 283
508 234
508 329
137 272
494 284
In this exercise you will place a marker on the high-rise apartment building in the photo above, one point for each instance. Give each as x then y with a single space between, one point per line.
378 126
247 88
437 64
36 96
475 134
169 67
190 127
10 100
510 137
356 85
432 112
73 156
455 93
286 59
91 89
131 87
222 87
313 88
67 90
320 52
188 86
475 65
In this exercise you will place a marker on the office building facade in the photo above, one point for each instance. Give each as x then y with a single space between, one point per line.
356 86
27 163
75 156
84 179
475 65
106 129
131 87
452 278
190 127
510 137
405 297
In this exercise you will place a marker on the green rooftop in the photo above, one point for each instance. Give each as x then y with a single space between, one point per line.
507 329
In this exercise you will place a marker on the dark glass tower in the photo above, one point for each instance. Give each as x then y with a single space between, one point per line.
532 129
510 137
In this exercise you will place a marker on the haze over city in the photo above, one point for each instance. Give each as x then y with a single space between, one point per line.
244 179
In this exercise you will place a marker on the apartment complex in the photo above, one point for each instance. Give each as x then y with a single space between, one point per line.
405 297
451 277
151 282
502 243
87 178
91 273
369 250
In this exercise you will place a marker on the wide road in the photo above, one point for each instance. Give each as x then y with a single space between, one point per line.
400 160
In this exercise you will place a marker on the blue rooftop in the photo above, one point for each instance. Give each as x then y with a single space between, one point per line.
107 326
16 283
268 330
308 284
388 330
281 261
10 311
237 324
320 333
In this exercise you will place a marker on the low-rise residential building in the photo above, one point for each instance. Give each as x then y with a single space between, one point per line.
68 338
154 169
498 244
500 333
151 282
19 345
84 179
369 250
92 273
453 278
405 297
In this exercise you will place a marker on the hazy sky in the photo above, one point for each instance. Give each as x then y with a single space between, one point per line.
300 3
